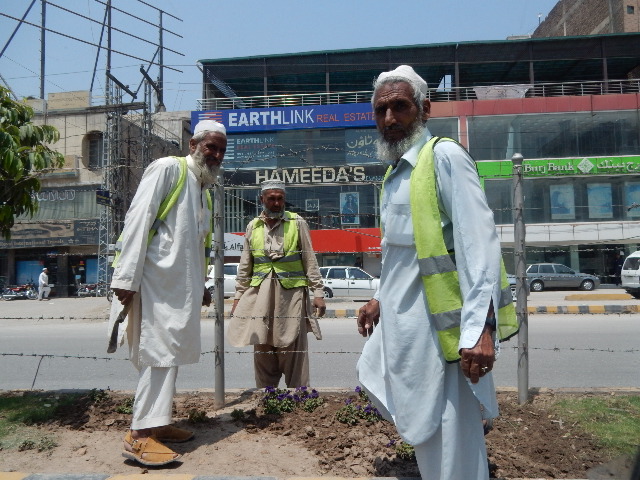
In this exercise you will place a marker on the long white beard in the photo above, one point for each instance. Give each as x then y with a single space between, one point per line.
207 175
389 153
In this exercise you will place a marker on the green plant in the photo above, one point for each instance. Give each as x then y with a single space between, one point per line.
278 401
24 154
197 416
46 443
27 445
126 407
98 396
405 451
360 409
237 414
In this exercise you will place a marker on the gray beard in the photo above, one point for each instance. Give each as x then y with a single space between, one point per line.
389 153
275 215
207 176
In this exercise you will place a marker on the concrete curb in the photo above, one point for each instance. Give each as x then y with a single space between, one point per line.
540 309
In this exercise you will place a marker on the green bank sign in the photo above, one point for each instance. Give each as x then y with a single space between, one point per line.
563 166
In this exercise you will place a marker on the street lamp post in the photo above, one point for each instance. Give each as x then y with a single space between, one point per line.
521 279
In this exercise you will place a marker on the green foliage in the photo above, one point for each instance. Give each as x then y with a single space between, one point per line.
613 420
126 406
24 154
404 451
278 401
98 396
237 414
196 416
359 409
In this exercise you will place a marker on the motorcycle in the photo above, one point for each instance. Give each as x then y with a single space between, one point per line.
27 291
91 290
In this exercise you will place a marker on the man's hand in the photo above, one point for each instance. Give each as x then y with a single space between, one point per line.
319 306
124 296
476 362
368 317
206 298
235 304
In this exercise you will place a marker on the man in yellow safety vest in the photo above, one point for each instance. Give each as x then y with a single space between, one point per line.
279 292
443 297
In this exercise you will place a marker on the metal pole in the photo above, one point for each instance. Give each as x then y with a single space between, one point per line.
42 47
218 263
521 280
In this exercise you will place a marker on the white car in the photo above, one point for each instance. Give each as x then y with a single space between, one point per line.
343 281
630 274
230 273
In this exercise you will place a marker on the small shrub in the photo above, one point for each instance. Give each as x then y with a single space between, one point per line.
404 451
278 401
46 443
197 416
126 406
362 409
27 445
237 414
98 396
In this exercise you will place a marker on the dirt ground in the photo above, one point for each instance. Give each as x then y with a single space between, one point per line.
527 441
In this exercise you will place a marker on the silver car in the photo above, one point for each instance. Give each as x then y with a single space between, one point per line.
344 281
556 275
230 273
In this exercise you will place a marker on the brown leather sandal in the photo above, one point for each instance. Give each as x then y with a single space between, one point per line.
153 451
169 433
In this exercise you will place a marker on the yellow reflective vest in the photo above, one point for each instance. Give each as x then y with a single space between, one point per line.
437 264
288 269
166 205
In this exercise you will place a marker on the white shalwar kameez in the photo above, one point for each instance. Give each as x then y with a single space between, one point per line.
163 327
435 408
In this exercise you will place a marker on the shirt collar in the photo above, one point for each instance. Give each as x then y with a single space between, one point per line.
411 156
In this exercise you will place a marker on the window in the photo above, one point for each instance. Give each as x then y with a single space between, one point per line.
546 268
563 269
630 9
93 150
358 274
337 273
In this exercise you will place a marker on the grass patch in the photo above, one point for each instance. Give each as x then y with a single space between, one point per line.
31 409
19 413
613 420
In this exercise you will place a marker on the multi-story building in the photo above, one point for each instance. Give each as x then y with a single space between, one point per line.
63 235
569 105
590 17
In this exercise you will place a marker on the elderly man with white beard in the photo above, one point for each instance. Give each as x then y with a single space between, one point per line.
441 301
160 275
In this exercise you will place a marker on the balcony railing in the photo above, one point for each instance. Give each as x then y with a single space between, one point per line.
448 95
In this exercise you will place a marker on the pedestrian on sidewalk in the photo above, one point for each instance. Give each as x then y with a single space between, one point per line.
162 278
43 285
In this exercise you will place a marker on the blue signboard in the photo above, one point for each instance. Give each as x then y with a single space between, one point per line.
290 118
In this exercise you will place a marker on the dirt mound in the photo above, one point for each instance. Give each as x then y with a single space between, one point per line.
242 439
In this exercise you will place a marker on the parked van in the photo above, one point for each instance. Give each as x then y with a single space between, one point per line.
630 275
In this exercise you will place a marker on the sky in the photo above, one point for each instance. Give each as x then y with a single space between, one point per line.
216 29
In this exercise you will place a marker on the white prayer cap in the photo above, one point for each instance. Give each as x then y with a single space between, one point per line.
44 269
272 185
209 126
403 73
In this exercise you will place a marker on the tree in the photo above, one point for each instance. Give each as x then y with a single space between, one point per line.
24 156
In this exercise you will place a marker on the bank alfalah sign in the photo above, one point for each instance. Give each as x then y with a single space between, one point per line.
290 118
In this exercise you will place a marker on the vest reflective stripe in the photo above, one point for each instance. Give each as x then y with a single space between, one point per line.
437 265
288 269
166 205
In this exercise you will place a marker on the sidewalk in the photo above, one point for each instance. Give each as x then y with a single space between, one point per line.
601 301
